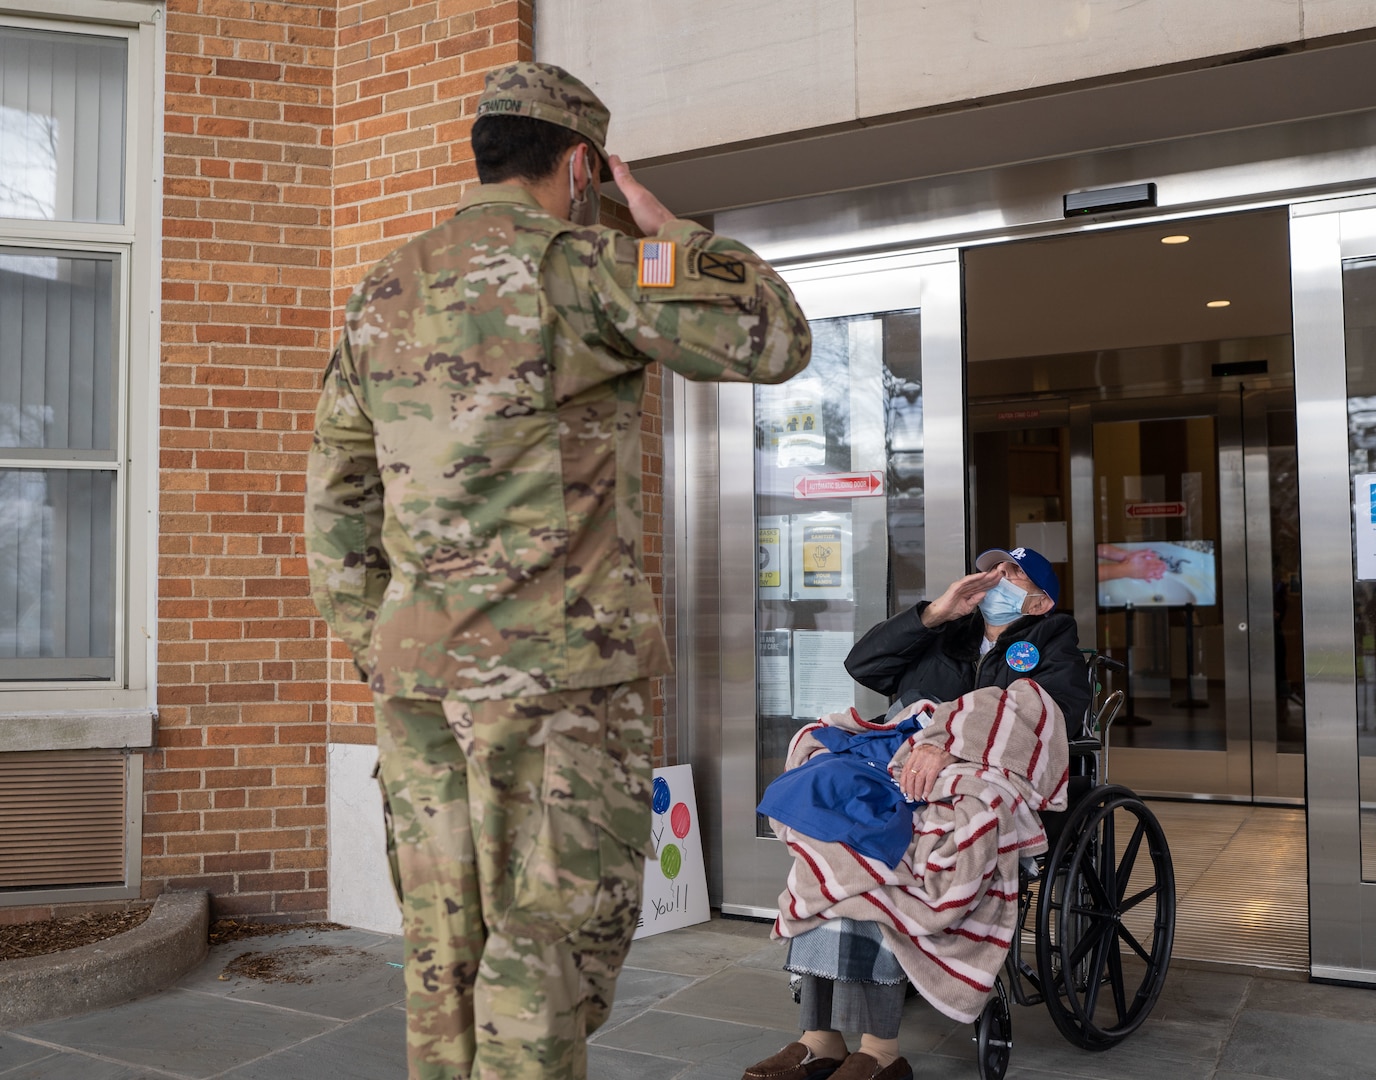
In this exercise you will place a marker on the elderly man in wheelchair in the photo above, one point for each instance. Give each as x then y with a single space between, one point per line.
920 839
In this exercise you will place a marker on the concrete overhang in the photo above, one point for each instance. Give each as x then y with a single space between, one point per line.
1242 92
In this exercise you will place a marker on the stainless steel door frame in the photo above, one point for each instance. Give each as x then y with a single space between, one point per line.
1342 922
1082 518
1233 530
1267 782
754 868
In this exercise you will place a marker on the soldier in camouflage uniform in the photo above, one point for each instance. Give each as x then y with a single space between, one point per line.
473 529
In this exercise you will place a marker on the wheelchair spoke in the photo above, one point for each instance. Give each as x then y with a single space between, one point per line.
1092 937
1103 952
1115 975
1100 890
1109 868
1129 859
1136 898
1136 946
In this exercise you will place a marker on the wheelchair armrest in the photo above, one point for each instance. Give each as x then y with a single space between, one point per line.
1084 745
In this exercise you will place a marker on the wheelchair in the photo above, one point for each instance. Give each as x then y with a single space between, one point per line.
1102 901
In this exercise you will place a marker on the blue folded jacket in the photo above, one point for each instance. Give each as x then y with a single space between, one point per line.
847 796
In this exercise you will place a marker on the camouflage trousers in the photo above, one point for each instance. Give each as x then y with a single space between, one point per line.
518 831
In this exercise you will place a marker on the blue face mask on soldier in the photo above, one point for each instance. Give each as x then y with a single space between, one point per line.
1003 603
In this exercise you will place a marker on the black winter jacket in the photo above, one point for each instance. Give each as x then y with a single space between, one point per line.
906 660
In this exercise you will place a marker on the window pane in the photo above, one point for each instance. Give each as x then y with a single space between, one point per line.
62 120
57 562
840 516
57 370
1359 317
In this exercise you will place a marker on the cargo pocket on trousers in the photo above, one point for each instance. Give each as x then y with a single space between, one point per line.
581 873
389 830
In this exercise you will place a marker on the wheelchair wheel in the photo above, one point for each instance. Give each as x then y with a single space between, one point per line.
1106 919
994 1035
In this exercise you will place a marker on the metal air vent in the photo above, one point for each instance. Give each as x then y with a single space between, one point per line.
62 819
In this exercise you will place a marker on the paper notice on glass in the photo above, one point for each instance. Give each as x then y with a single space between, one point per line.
772 655
773 558
803 440
1364 524
821 546
821 683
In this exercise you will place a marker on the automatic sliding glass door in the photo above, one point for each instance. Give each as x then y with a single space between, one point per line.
1196 562
851 502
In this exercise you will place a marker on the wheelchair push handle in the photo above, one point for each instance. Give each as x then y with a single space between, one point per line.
1102 711
1094 658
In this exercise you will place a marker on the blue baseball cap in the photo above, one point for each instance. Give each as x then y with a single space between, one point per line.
1033 564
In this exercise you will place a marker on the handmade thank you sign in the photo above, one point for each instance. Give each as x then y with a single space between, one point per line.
676 883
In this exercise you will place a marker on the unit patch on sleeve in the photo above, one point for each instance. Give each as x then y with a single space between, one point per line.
708 264
656 264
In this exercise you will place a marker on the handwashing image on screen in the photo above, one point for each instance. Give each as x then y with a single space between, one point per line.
1156 573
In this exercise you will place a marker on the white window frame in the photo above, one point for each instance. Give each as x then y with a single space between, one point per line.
62 715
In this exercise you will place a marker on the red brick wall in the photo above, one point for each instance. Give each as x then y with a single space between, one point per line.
235 797
303 142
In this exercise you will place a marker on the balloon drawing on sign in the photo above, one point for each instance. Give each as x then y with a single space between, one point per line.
680 819
661 796
670 861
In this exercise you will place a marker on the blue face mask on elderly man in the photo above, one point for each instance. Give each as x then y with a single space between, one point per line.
1002 603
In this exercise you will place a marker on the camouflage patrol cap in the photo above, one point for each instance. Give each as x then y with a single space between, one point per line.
548 93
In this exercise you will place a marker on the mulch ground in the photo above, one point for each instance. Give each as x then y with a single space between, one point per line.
284 966
72 931
269 966
54 935
222 930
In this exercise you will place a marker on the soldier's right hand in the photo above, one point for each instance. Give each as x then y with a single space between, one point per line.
961 597
649 213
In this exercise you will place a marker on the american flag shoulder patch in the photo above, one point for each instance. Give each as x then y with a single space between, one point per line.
656 264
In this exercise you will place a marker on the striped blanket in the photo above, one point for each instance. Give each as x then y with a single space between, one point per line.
949 908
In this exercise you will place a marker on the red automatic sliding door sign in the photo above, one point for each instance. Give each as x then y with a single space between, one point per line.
838 485
1156 510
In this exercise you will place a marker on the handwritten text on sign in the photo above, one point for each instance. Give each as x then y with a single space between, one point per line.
675 883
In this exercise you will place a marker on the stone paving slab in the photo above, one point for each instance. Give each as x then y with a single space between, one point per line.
327 973
366 1048
182 1032
699 1003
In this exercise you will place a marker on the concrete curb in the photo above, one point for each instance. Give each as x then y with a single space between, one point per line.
150 957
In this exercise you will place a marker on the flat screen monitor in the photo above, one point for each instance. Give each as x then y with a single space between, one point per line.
1157 573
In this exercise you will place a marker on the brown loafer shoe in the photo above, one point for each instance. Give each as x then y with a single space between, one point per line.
860 1066
789 1064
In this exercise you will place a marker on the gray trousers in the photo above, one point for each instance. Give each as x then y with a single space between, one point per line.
866 1007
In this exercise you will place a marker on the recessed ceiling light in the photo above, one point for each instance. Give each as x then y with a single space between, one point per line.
1178 238
1218 303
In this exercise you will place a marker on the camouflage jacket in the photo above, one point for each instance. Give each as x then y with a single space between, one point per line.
473 519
